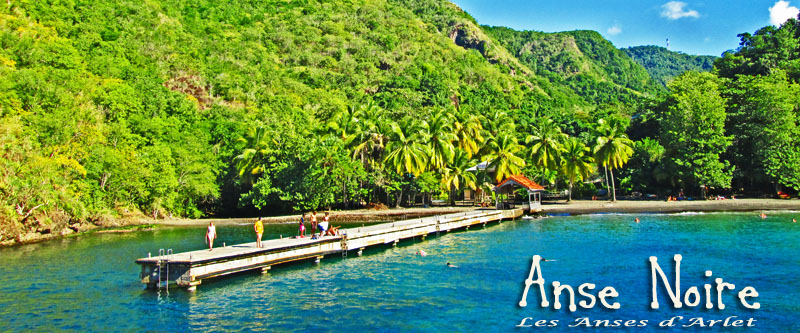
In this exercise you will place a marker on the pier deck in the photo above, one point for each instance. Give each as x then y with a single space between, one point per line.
188 269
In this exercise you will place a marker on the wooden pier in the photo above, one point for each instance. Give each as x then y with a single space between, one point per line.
189 269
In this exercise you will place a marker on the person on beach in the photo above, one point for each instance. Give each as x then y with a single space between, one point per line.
302 226
314 223
211 234
259 229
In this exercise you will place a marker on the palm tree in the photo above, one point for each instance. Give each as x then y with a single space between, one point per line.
576 161
256 146
456 175
546 140
345 124
468 130
504 151
407 153
494 126
372 135
613 148
440 139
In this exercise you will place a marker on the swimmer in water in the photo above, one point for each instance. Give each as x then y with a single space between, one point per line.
422 253
543 259
637 220
794 220
763 216
451 265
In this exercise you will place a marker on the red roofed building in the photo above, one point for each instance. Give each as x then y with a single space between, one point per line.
507 187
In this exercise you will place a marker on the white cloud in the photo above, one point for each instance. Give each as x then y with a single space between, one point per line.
615 30
674 10
781 11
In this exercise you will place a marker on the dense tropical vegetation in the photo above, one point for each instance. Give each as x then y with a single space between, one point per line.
663 65
112 109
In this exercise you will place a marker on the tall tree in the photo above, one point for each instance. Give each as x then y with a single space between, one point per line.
372 135
612 148
495 125
577 162
345 124
456 176
693 132
545 144
406 150
505 156
256 148
440 139
764 115
468 130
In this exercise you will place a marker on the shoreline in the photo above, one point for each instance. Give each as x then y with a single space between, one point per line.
576 207
337 216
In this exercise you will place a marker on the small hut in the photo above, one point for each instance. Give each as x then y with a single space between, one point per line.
508 186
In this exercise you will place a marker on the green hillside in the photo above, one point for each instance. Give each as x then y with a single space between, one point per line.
583 61
111 110
663 64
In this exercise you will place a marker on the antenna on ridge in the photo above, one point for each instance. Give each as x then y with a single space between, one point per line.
667 44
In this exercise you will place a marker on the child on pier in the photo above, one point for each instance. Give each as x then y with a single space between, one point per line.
302 226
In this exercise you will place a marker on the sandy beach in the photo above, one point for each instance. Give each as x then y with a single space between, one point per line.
643 206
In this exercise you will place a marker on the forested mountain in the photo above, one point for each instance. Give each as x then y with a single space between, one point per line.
583 61
189 108
663 64
114 109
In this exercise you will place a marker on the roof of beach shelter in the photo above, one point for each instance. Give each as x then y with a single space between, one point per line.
520 180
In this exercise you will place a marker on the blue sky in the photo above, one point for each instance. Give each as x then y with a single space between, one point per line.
706 27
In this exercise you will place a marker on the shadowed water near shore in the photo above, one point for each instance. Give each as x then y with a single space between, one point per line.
91 283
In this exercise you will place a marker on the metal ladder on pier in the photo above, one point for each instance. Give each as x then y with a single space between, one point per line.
344 245
163 262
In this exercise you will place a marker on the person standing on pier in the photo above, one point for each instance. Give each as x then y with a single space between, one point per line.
302 230
314 223
211 234
259 228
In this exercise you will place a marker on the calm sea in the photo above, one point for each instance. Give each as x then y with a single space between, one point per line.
90 283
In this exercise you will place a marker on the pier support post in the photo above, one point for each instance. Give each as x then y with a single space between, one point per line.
360 251
317 260
193 285
394 244
423 237
265 269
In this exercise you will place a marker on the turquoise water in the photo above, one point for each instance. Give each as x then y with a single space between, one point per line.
91 282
